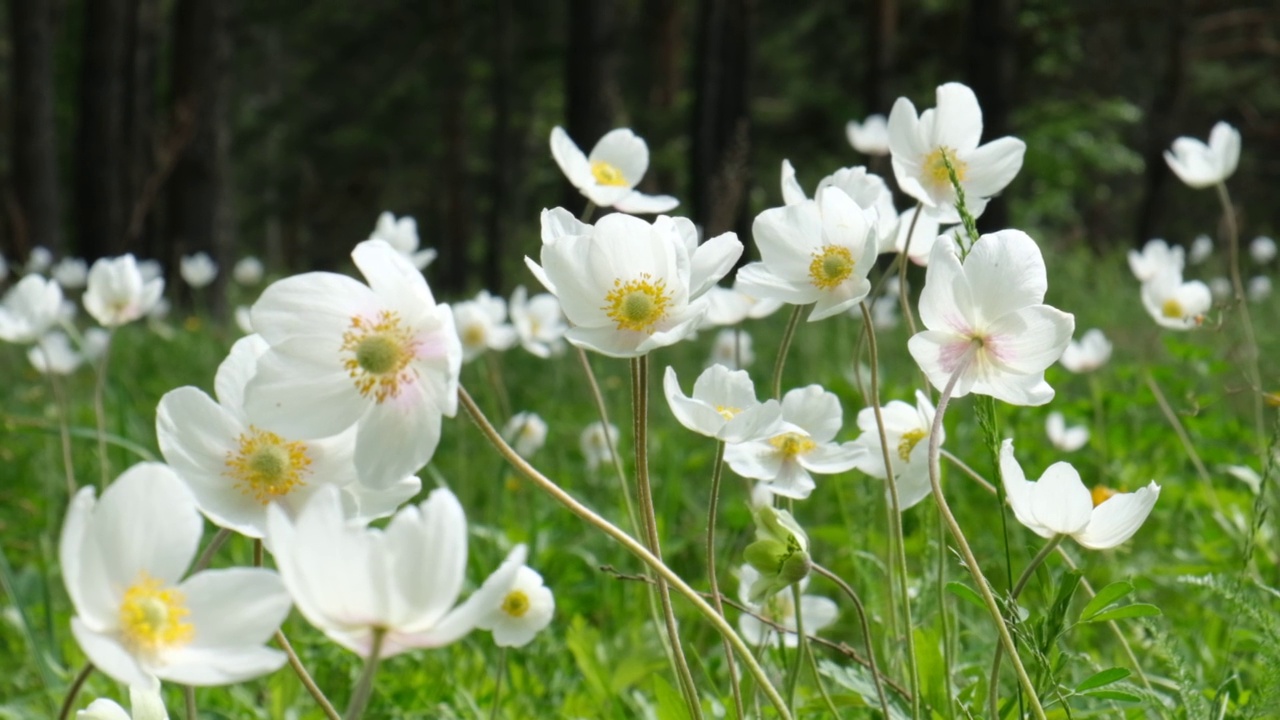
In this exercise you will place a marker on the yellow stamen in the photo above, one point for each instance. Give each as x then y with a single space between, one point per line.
515 604
378 354
935 168
1172 309
909 441
831 265
151 617
637 304
608 174
792 444
1101 494
266 466
726 412
473 336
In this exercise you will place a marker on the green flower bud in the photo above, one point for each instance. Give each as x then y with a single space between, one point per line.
780 553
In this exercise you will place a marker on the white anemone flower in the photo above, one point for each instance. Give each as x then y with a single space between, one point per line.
383 355
39 261
628 286
538 322
402 234
924 231
235 468
1258 288
144 702
866 189
1156 257
732 349
598 444
811 418
244 319
989 311
118 291
731 306
350 581
1201 249
870 137
1221 289
71 273
723 406
1200 165
1262 249
817 251
1066 439
1092 352
818 612
952 129
54 354
526 607
1175 304
248 271
29 309
123 557
906 431
609 175
150 270
1060 504
198 270
482 325
526 432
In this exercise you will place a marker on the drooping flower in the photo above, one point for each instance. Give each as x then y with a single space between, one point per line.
384 355
1092 352
71 273
525 607
598 444
732 349
526 432
1066 439
1262 249
235 468
538 322
123 557
1200 165
628 286
29 309
723 406
198 270
1156 257
609 175
402 235
350 581
1201 249
1175 304
1060 504
482 325
989 312
118 293
818 612
870 136
248 271
144 702
811 417
951 130
906 431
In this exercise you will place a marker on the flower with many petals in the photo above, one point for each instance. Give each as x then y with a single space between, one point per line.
1200 165
609 175
29 309
526 607
870 137
1091 353
906 432
402 234
1176 304
118 293
723 406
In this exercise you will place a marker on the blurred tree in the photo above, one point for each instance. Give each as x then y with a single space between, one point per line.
34 146
100 159
721 118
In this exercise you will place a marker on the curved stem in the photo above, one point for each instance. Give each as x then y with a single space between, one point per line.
902 273
632 545
993 697
817 679
364 686
100 411
1237 284
78 682
962 543
206 556
712 506
784 347
866 634
305 678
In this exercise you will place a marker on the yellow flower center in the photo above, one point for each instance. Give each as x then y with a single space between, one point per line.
378 354
909 441
473 336
792 444
726 412
831 265
266 466
151 617
1101 494
608 174
1171 309
637 304
935 168
515 604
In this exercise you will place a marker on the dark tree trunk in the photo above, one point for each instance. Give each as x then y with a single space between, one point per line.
663 39
100 156
501 178
198 210
140 125
593 101
35 152
882 29
993 64
721 119
1160 120
454 251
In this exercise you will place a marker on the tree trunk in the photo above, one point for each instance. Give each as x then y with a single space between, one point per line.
35 152
100 157
593 101
1160 120
501 177
721 119
454 251
993 64
882 29
140 125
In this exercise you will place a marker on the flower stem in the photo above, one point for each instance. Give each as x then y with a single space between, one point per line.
944 615
903 300
305 678
364 686
1237 284
713 504
802 641
100 411
64 428
78 682
206 556
603 412
1183 437
632 545
993 697
494 369
189 699
497 684
962 543
787 336
866 636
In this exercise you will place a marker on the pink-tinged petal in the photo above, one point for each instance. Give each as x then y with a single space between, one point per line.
1019 492
234 608
1006 273
624 150
572 162
302 391
990 168
1118 518
1031 339
814 410
759 281
398 436
939 355
637 203
237 370
146 521
947 301
301 304
224 666
1059 501
109 656
393 278
711 261
957 123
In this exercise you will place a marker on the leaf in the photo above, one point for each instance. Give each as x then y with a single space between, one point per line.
1106 677
671 705
1105 597
1128 611
964 592
1114 695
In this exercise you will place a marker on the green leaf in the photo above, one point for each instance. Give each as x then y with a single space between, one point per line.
671 705
964 592
1128 611
1106 677
1114 695
1105 597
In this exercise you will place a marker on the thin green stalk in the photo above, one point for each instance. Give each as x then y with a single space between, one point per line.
822 688
866 636
785 346
189 698
1187 445
632 545
64 428
603 412
364 685
494 369
100 410
206 555
1250 338
993 687
793 678
305 678
640 426
903 300
713 504
497 684
944 616
76 684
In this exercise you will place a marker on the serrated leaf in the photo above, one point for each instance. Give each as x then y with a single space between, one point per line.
1106 677
1105 597
964 592
1114 695
1127 611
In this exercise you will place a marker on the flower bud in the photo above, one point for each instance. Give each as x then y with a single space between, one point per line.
780 552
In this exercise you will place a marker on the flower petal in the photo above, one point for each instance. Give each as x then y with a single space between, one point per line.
1118 518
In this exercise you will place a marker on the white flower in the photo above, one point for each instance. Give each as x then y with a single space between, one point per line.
235 468
248 271
1262 249
39 261
350 581
1199 165
609 175
991 306
118 291
1060 504
384 355
29 309
1258 288
1175 304
198 270
730 306
150 270
54 354
1220 288
732 349
811 417
145 702
923 236
817 251
870 136
628 286
1091 353
526 432
94 344
906 430
525 608
244 319
1156 257
817 612
402 235
1201 249
1066 439
723 406
952 129
71 273
866 189
538 322
123 558
598 445
482 325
